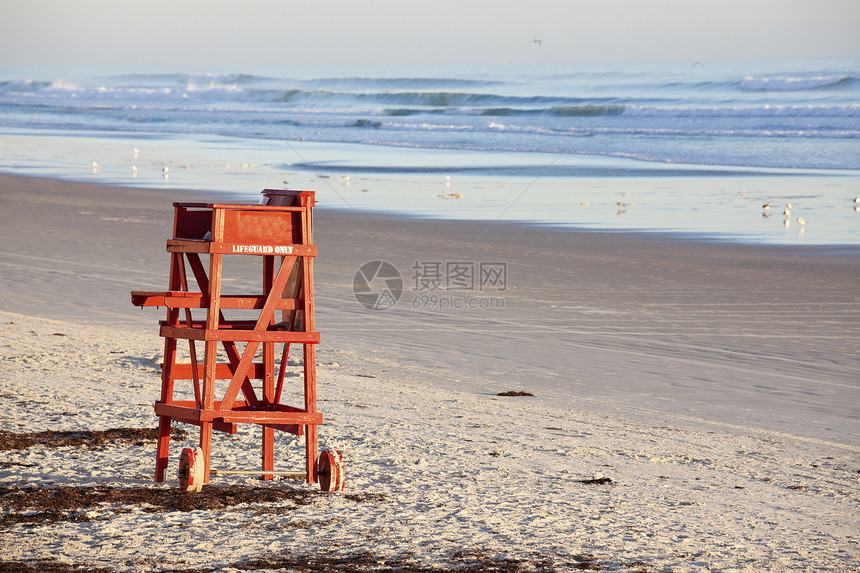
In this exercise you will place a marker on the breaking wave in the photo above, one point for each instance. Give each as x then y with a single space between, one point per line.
784 84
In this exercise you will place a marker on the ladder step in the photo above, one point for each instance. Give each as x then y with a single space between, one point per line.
182 299
210 334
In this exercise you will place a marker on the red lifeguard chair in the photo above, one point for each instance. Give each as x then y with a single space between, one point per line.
279 232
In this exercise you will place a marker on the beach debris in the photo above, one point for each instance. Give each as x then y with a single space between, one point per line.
451 195
366 375
597 479
515 393
63 499
82 438
365 190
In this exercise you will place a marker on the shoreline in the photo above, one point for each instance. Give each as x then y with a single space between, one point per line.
169 195
714 207
714 383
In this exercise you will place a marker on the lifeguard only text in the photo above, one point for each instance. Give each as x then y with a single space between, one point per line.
263 249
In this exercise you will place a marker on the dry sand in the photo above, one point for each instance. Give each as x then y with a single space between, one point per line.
714 384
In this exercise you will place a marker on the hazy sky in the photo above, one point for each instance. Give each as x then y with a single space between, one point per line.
209 33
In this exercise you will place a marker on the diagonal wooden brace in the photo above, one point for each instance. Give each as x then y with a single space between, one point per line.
266 315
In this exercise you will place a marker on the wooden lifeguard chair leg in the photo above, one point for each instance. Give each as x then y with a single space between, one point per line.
206 446
311 447
268 399
213 314
163 447
164 422
311 444
268 446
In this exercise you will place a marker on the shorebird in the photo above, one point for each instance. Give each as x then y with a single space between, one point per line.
857 199
766 206
787 212
801 221
788 205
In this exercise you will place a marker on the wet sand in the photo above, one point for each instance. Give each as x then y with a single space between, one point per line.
738 334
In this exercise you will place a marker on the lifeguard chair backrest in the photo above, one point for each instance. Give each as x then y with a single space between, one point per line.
290 198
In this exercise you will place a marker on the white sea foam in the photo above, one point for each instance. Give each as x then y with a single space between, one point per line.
790 83
622 111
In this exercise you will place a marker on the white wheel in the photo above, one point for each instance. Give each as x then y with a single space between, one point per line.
191 469
330 470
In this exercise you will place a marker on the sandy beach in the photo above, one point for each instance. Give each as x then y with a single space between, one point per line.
713 384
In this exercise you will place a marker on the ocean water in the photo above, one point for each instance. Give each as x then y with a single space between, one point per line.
721 135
